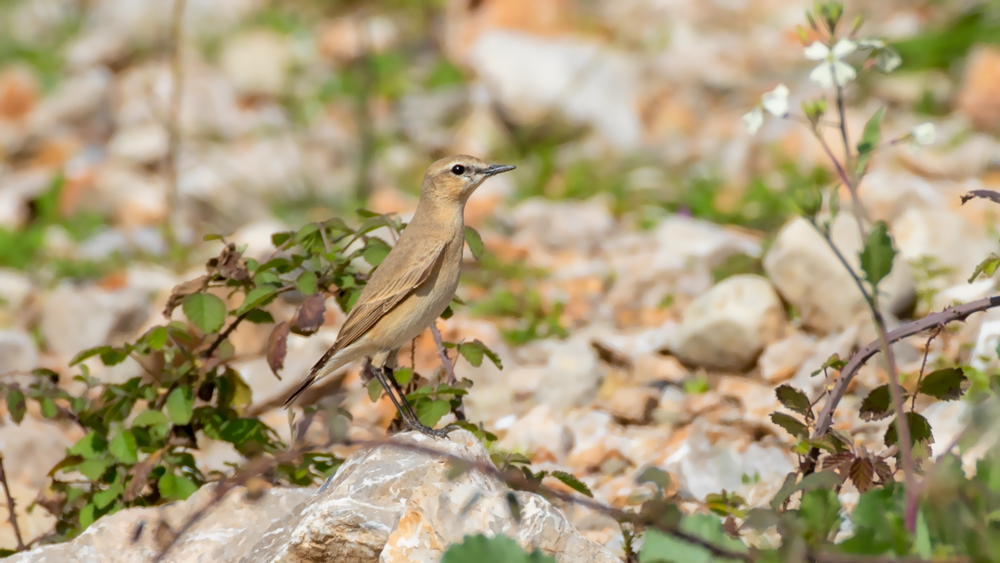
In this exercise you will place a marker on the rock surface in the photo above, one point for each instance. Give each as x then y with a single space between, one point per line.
227 533
728 327
811 278
385 504
397 495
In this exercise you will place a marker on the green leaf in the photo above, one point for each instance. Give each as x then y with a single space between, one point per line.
877 256
572 482
205 311
94 469
157 338
430 412
819 480
124 448
209 237
920 431
103 498
654 475
877 405
987 267
498 549
259 316
870 139
375 251
661 547
150 418
279 239
16 404
474 352
239 431
87 516
49 409
794 400
90 446
374 390
306 283
475 242
792 425
176 487
114 356
89 353
257 297
180 405
944 384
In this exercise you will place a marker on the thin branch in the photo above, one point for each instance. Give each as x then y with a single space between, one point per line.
985 194
923 366
932 321
902 425
173 122
446 364
11 515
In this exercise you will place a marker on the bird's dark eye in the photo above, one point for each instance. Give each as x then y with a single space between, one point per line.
458 170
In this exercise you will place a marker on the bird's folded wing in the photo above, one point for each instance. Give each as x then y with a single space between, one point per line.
371 307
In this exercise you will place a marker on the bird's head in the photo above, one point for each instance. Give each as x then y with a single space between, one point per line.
454 178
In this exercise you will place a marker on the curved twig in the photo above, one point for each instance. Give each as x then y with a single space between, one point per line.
985 194
935 320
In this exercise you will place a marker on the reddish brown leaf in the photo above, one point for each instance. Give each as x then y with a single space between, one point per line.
841 462
181 291
310 315
862 473
229 264
140 475
883 471
277 347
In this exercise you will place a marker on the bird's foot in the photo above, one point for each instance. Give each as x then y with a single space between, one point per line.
432 432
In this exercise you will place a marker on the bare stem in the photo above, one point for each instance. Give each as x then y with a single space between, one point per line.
902 426
173 121
923 366
11 515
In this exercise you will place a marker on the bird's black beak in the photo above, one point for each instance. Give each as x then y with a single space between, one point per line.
495 169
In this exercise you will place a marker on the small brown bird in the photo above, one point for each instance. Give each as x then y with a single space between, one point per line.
414 283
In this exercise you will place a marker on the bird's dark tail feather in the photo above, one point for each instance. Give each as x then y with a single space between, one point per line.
309 380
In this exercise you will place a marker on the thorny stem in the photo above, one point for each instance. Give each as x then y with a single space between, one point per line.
923 365
11 515
173 121
903 430
448 365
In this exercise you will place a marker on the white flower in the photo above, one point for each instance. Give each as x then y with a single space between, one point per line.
924 134
776 101
754 119
832 70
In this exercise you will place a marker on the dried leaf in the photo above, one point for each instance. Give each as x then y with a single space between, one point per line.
839 461
181 291
277 347
883 471
862 473
310 316
229 264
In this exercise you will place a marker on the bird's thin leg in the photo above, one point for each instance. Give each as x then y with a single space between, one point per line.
380 375
406 412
